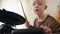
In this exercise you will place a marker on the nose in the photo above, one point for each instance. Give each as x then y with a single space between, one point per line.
36 5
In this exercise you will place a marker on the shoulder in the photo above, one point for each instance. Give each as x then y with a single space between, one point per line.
50 18
55 25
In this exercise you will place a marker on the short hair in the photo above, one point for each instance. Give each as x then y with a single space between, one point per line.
37 0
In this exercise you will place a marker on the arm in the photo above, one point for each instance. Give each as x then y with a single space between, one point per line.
55 27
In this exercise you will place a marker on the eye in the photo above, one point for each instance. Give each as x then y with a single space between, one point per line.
33 4
40 4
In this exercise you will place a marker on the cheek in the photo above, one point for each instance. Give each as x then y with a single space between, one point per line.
33 8
42 8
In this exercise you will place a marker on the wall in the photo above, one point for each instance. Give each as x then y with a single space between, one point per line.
11 5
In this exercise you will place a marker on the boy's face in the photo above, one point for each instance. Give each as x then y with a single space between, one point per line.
39 6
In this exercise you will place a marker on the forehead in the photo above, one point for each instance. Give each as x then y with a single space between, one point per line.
38 1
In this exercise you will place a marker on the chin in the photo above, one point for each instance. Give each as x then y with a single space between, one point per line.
37 14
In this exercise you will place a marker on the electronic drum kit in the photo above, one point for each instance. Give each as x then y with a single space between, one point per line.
12 19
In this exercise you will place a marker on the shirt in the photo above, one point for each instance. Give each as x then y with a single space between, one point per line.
50 22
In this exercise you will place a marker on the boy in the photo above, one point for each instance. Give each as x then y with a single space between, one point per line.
48 23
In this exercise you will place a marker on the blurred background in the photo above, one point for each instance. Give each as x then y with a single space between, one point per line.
15 6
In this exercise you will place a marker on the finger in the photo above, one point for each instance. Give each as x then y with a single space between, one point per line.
41 26
45 28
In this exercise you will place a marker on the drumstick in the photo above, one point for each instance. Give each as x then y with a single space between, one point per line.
27 22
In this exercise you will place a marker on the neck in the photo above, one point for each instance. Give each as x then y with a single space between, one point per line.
42 17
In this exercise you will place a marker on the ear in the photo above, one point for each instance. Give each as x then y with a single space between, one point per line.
45 7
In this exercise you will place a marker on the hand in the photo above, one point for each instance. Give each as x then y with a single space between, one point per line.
27 24
46 29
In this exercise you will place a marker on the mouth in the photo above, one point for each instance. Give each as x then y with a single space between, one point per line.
36 10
